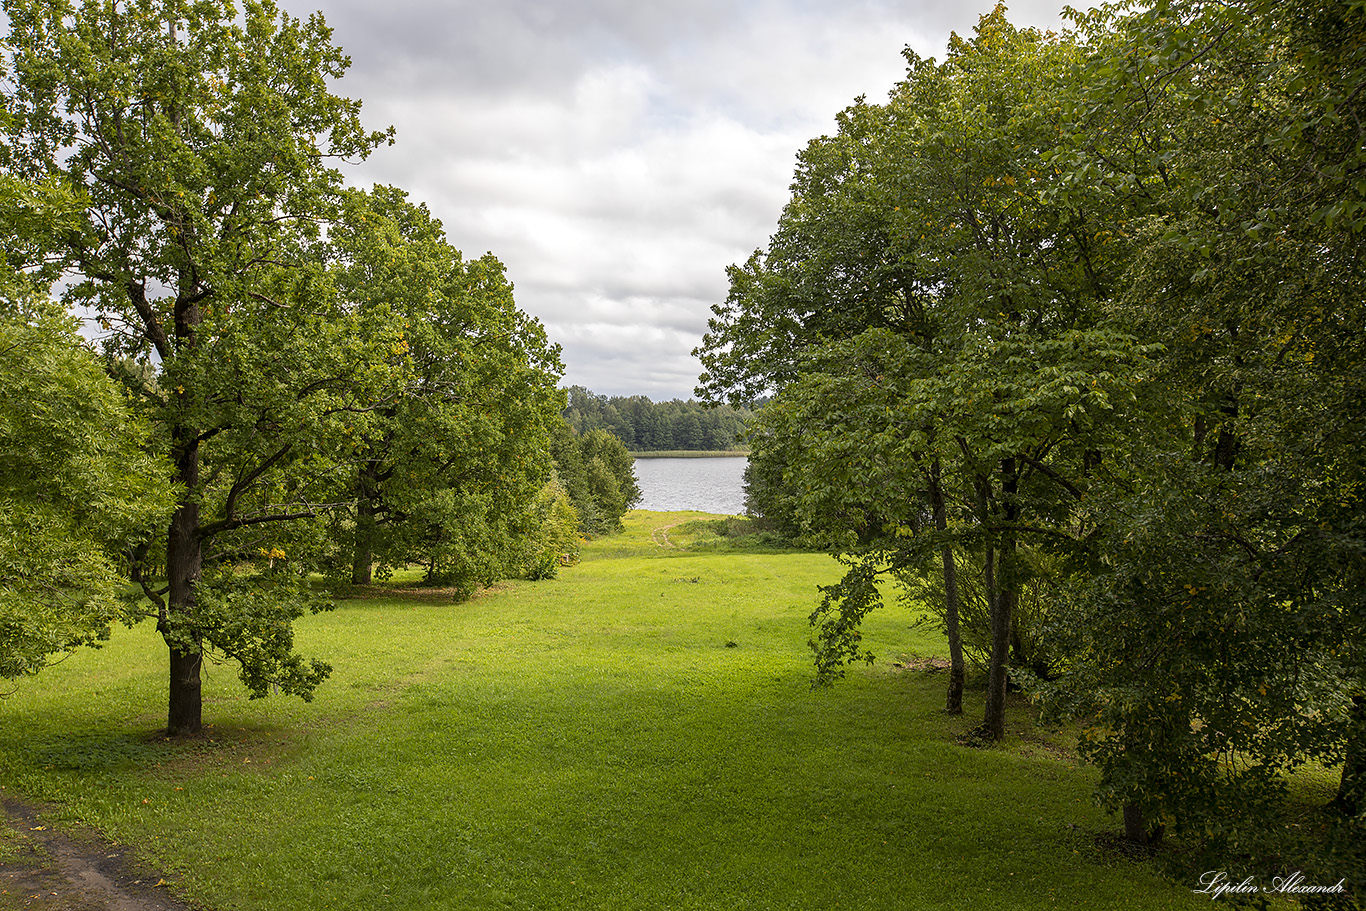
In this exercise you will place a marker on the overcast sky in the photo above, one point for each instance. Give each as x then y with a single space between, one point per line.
617 155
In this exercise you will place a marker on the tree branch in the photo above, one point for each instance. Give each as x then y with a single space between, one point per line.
230 520
1053 476
260 520
135 573
152 328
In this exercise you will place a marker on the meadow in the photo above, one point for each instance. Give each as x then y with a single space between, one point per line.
640 732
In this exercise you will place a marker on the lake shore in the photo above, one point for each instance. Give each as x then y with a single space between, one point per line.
692 454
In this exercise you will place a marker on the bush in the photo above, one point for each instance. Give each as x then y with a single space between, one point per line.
556 540
1030 646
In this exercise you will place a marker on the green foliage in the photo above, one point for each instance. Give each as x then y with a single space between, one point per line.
930 314
1217 634
197 138
555 542
768 497
34 214
1034 647
77 491
448 471
611 478
646 426
598 474
252 613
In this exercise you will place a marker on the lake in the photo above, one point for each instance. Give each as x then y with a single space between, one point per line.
707 485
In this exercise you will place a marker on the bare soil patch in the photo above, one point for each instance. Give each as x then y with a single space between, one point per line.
929 665
660 535
74 870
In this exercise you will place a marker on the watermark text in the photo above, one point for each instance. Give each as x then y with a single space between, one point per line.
1218 882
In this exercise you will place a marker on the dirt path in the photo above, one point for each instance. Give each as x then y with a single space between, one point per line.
660 535
73 871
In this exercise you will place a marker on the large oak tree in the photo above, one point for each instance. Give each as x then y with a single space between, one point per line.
202 138
448 473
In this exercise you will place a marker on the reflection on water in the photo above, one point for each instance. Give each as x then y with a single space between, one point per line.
709 485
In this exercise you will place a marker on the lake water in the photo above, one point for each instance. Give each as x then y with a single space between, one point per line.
708 485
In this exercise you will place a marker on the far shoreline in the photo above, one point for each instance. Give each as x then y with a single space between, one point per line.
692 454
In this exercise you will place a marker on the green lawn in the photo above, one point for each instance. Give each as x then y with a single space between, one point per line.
639 733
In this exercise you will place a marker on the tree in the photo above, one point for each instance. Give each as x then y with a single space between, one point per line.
77 490
449 471
1133 277
200 138
555 540
645 425
688 431
1218 636
611 475
768 499
598 475
929 314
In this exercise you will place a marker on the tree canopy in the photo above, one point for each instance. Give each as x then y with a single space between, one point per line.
1077 317
1223 620
269 333
447 473
646 426
597 474
940 343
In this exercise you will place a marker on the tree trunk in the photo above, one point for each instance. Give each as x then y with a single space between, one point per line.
1227 444
184 564
1352 789
1136 829
362 562
186 702
363 556
957 674
1001 594
1002 608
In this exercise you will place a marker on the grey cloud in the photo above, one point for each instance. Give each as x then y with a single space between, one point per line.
618 155
508 46
600 356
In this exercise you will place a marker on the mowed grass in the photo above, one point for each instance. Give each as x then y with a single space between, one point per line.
639 733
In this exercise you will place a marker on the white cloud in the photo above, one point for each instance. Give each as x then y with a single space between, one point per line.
617 156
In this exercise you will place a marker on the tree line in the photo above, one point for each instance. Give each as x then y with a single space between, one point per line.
297 377
646 426
1066 341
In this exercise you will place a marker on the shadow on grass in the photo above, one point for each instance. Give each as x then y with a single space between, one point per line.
413 593
119 752
99 751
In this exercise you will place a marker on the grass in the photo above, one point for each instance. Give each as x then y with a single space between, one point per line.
9 842
732 533
639 733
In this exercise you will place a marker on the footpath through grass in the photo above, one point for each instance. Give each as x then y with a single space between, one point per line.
639 733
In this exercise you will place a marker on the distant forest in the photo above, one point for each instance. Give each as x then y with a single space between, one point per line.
646 426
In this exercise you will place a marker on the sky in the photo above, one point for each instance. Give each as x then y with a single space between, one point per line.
618 155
